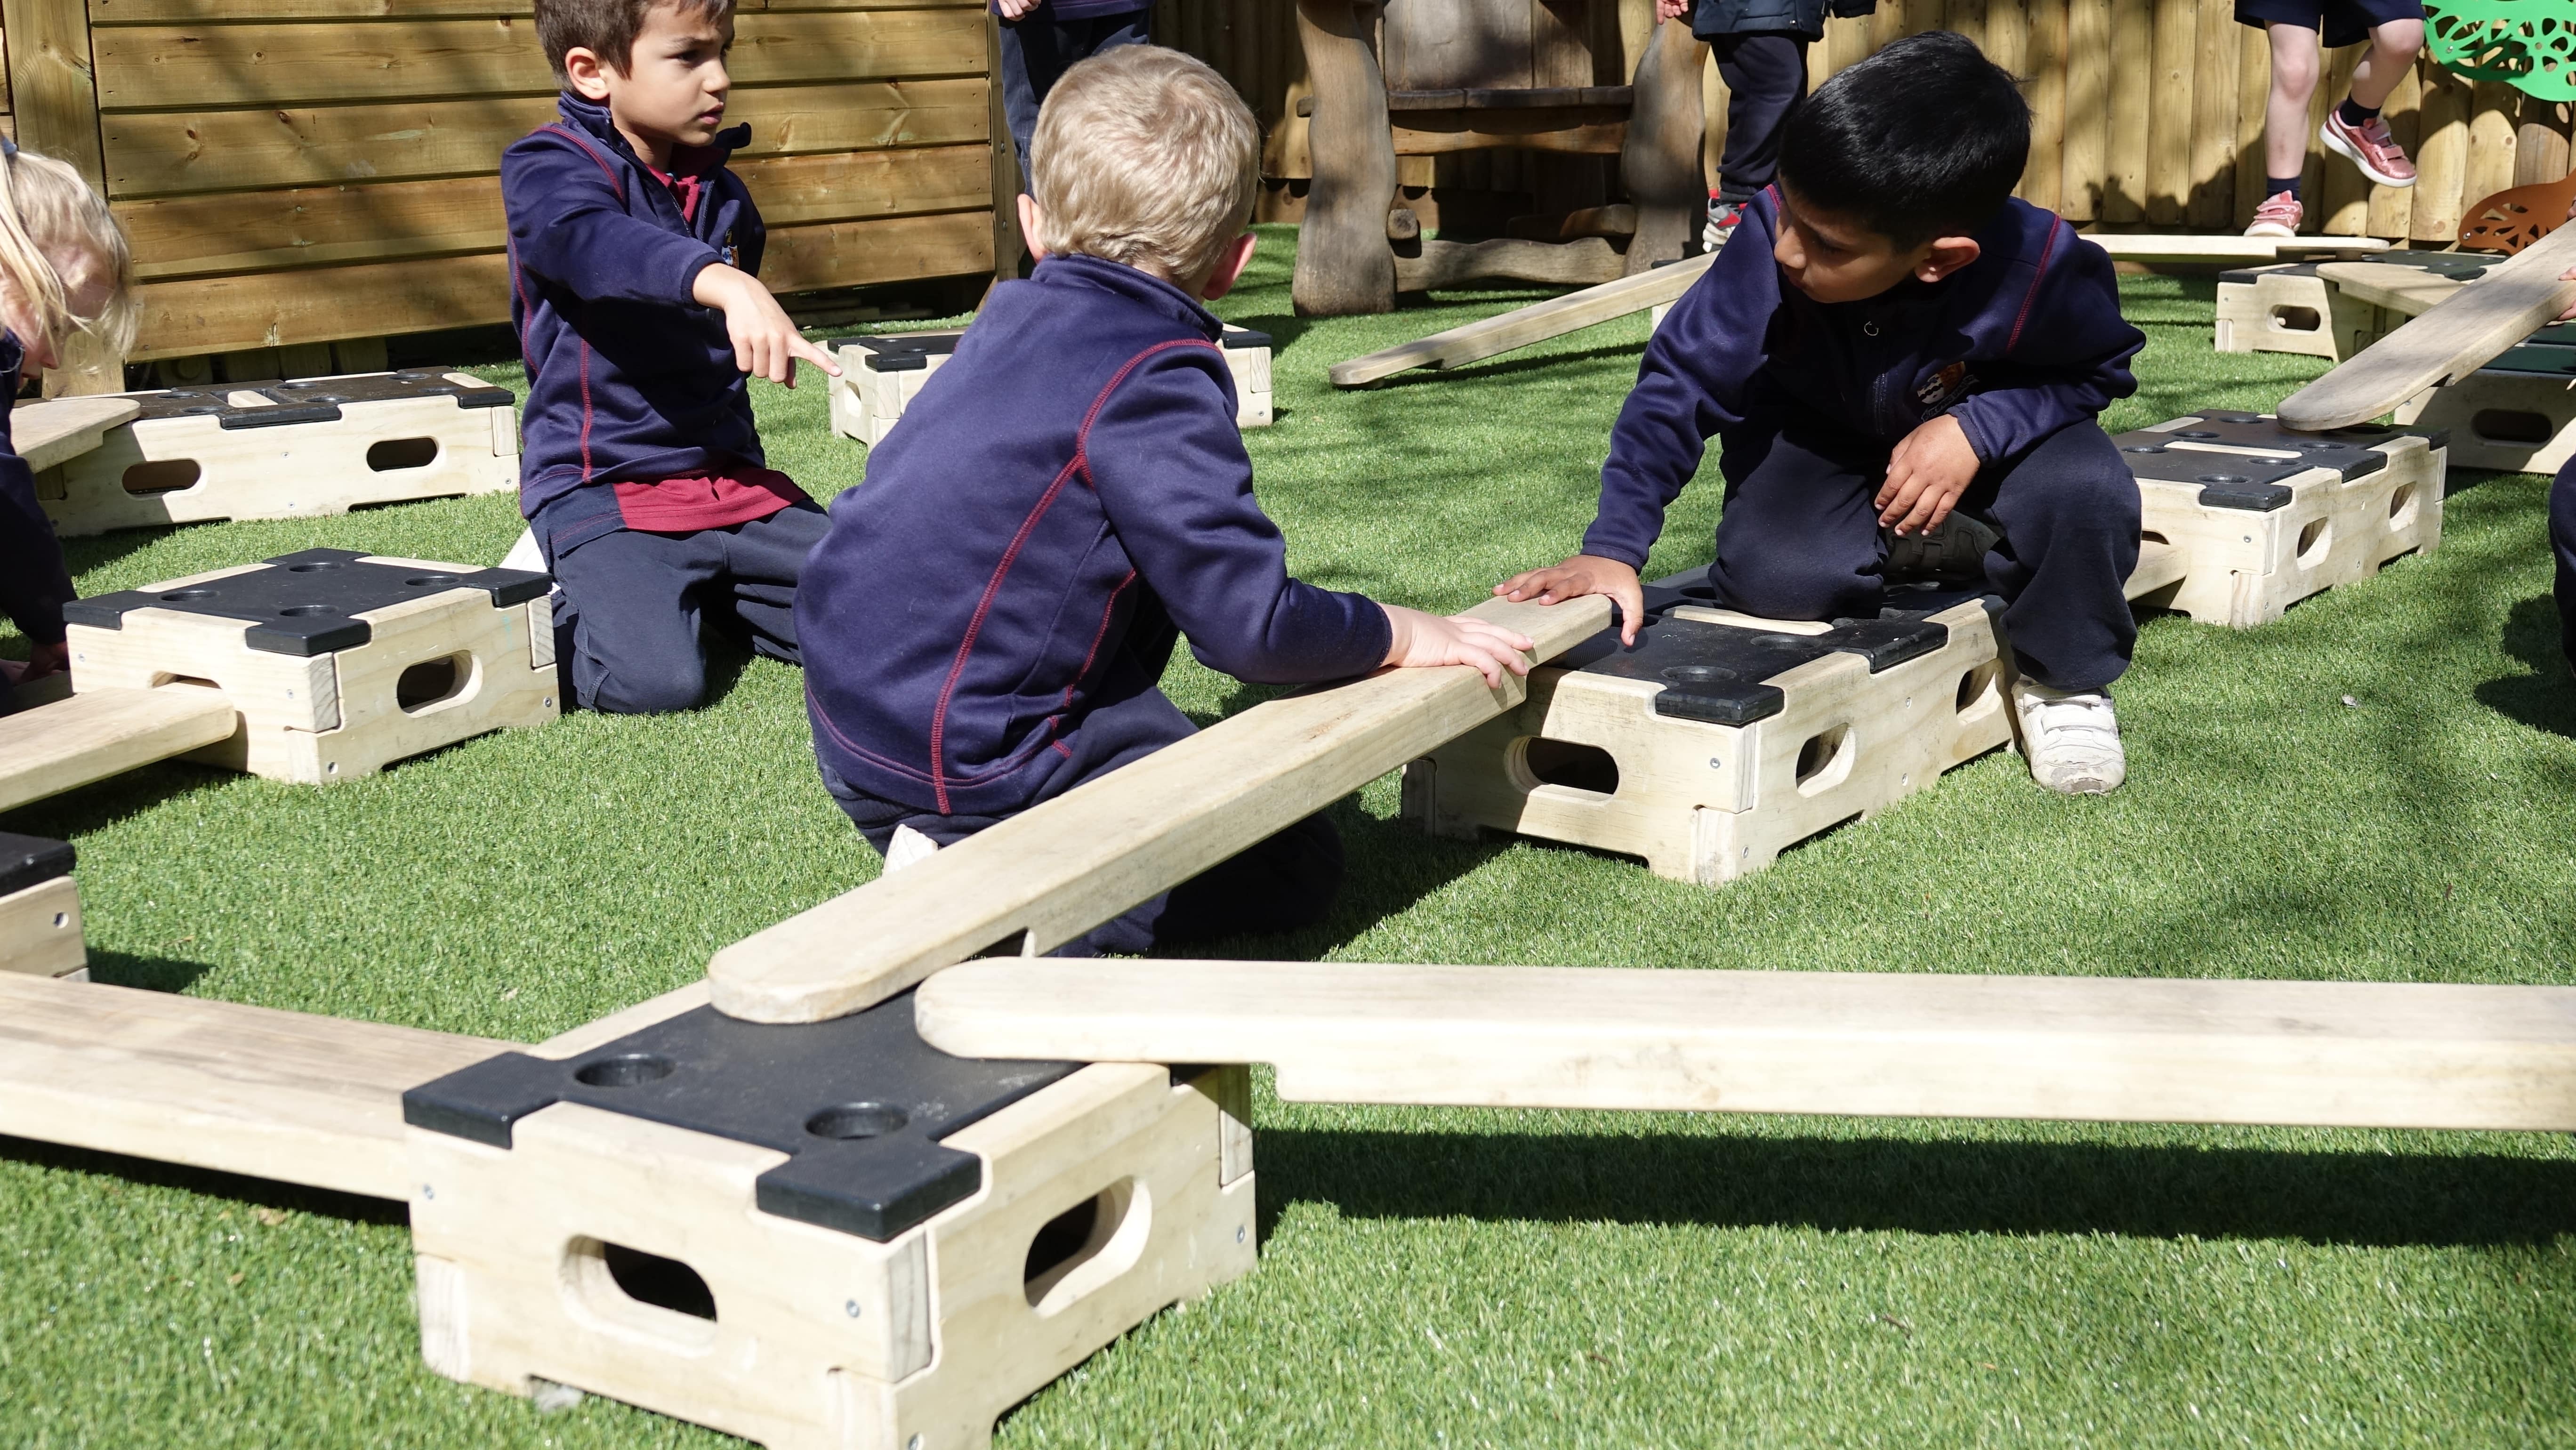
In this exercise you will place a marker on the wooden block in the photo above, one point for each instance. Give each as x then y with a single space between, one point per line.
289 450
1712 747
2325 1054
1492 336
335 663
55 430
98 733
669 1264
2268 517
40 916
2508 420
881 374
2289 308
2228 250
1145 828
281 1095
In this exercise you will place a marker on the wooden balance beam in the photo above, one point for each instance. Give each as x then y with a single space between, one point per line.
2228 251
58 430
1043 878
1524 326
2326 1054
88 737
2449 340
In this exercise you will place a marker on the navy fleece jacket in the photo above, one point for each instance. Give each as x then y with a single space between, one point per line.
1066 493
628 377
2016 345
34 586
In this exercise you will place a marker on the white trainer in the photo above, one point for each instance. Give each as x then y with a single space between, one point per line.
907 848
2072 740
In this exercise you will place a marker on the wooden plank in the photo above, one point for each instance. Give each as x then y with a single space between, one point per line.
169 152
2253 95
2132 91
1140 829
2085 167
2226 251
325 304
1434 47
280 1095
2326 1054
2410 290
2341 199
40 929
2515 298
1491 336
2043 178
2491 145
99 733
2441 158
318 63
2169 115
52 93
51 432
2212 197
2391 209
193 12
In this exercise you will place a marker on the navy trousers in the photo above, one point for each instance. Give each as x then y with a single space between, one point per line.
2562 542
627 622
1799 540
1037 49
1766 78
1283 883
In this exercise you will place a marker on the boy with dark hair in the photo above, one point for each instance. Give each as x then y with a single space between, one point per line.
986 623
1891 337
633 253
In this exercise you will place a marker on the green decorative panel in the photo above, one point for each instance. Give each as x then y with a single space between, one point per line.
2529 44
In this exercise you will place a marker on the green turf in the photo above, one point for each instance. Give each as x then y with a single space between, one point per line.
1449 1277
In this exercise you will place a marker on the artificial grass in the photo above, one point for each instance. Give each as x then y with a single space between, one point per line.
1451 1277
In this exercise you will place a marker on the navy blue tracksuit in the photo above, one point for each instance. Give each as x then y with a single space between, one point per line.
34 585
631 380
986 621
2024 347
2562 542
1039 47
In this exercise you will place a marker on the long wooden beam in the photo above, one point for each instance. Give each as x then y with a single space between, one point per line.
1519 328
98 733
283 1095
2232 251
2390 1055
1043 878
2447 342
59 429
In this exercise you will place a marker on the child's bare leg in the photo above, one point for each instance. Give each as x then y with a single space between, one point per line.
2393 48
2285 115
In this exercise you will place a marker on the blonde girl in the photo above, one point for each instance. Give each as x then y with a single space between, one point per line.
65 272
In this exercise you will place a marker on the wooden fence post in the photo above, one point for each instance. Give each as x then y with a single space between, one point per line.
56 100
1006 162
1343 264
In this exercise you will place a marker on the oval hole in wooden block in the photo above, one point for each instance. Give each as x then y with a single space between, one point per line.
2510 425
1587 768
162 475
1825 760
1087 1245
642 1292
2295 319
399 453
433 682
2312 542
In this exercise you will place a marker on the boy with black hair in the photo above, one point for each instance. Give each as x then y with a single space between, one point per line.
987 621
1890 337
632 259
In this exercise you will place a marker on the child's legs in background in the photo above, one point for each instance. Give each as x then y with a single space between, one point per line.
1039 50
626 629
1766 77
2068 510
762 560
1798 538
2562 542
2295 63
2394 44
1279 884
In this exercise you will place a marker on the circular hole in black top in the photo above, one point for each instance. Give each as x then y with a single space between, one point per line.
2195 433
298 387
198 409
856 1120
175 595
1698 674
628 1070
1777 641
423 580
2325 447
310 568
2144 448
2223 478
305 611
414 375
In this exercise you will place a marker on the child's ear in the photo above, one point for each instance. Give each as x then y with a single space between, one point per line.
1032 221
1229 266
1945 256
587 73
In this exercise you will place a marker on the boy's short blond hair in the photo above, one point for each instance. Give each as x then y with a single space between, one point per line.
1145 156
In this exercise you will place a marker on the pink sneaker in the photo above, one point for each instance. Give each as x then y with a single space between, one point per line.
2370 147
2278 216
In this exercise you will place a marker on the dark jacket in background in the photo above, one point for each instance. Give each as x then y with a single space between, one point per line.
34 585
1066 495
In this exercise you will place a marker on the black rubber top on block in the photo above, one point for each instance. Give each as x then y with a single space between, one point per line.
302 605
308 400
1719 673
1244 337
31 861
2350 452
903 352
860 1101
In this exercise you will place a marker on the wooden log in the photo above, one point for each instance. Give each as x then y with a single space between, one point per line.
1659 164
281 1095
1492 336
99 733
2328 1054
2452 340
58 430
1343 265
1046 877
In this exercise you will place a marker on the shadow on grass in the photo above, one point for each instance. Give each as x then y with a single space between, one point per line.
149 974
1473 372
1284 328
1837 1185
320 1202
2544 699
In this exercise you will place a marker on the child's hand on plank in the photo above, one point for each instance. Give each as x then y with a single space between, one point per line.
1583 574
1461 639
766 343
1930 468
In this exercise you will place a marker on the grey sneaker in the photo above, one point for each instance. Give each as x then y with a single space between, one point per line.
1955 550
2072 740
